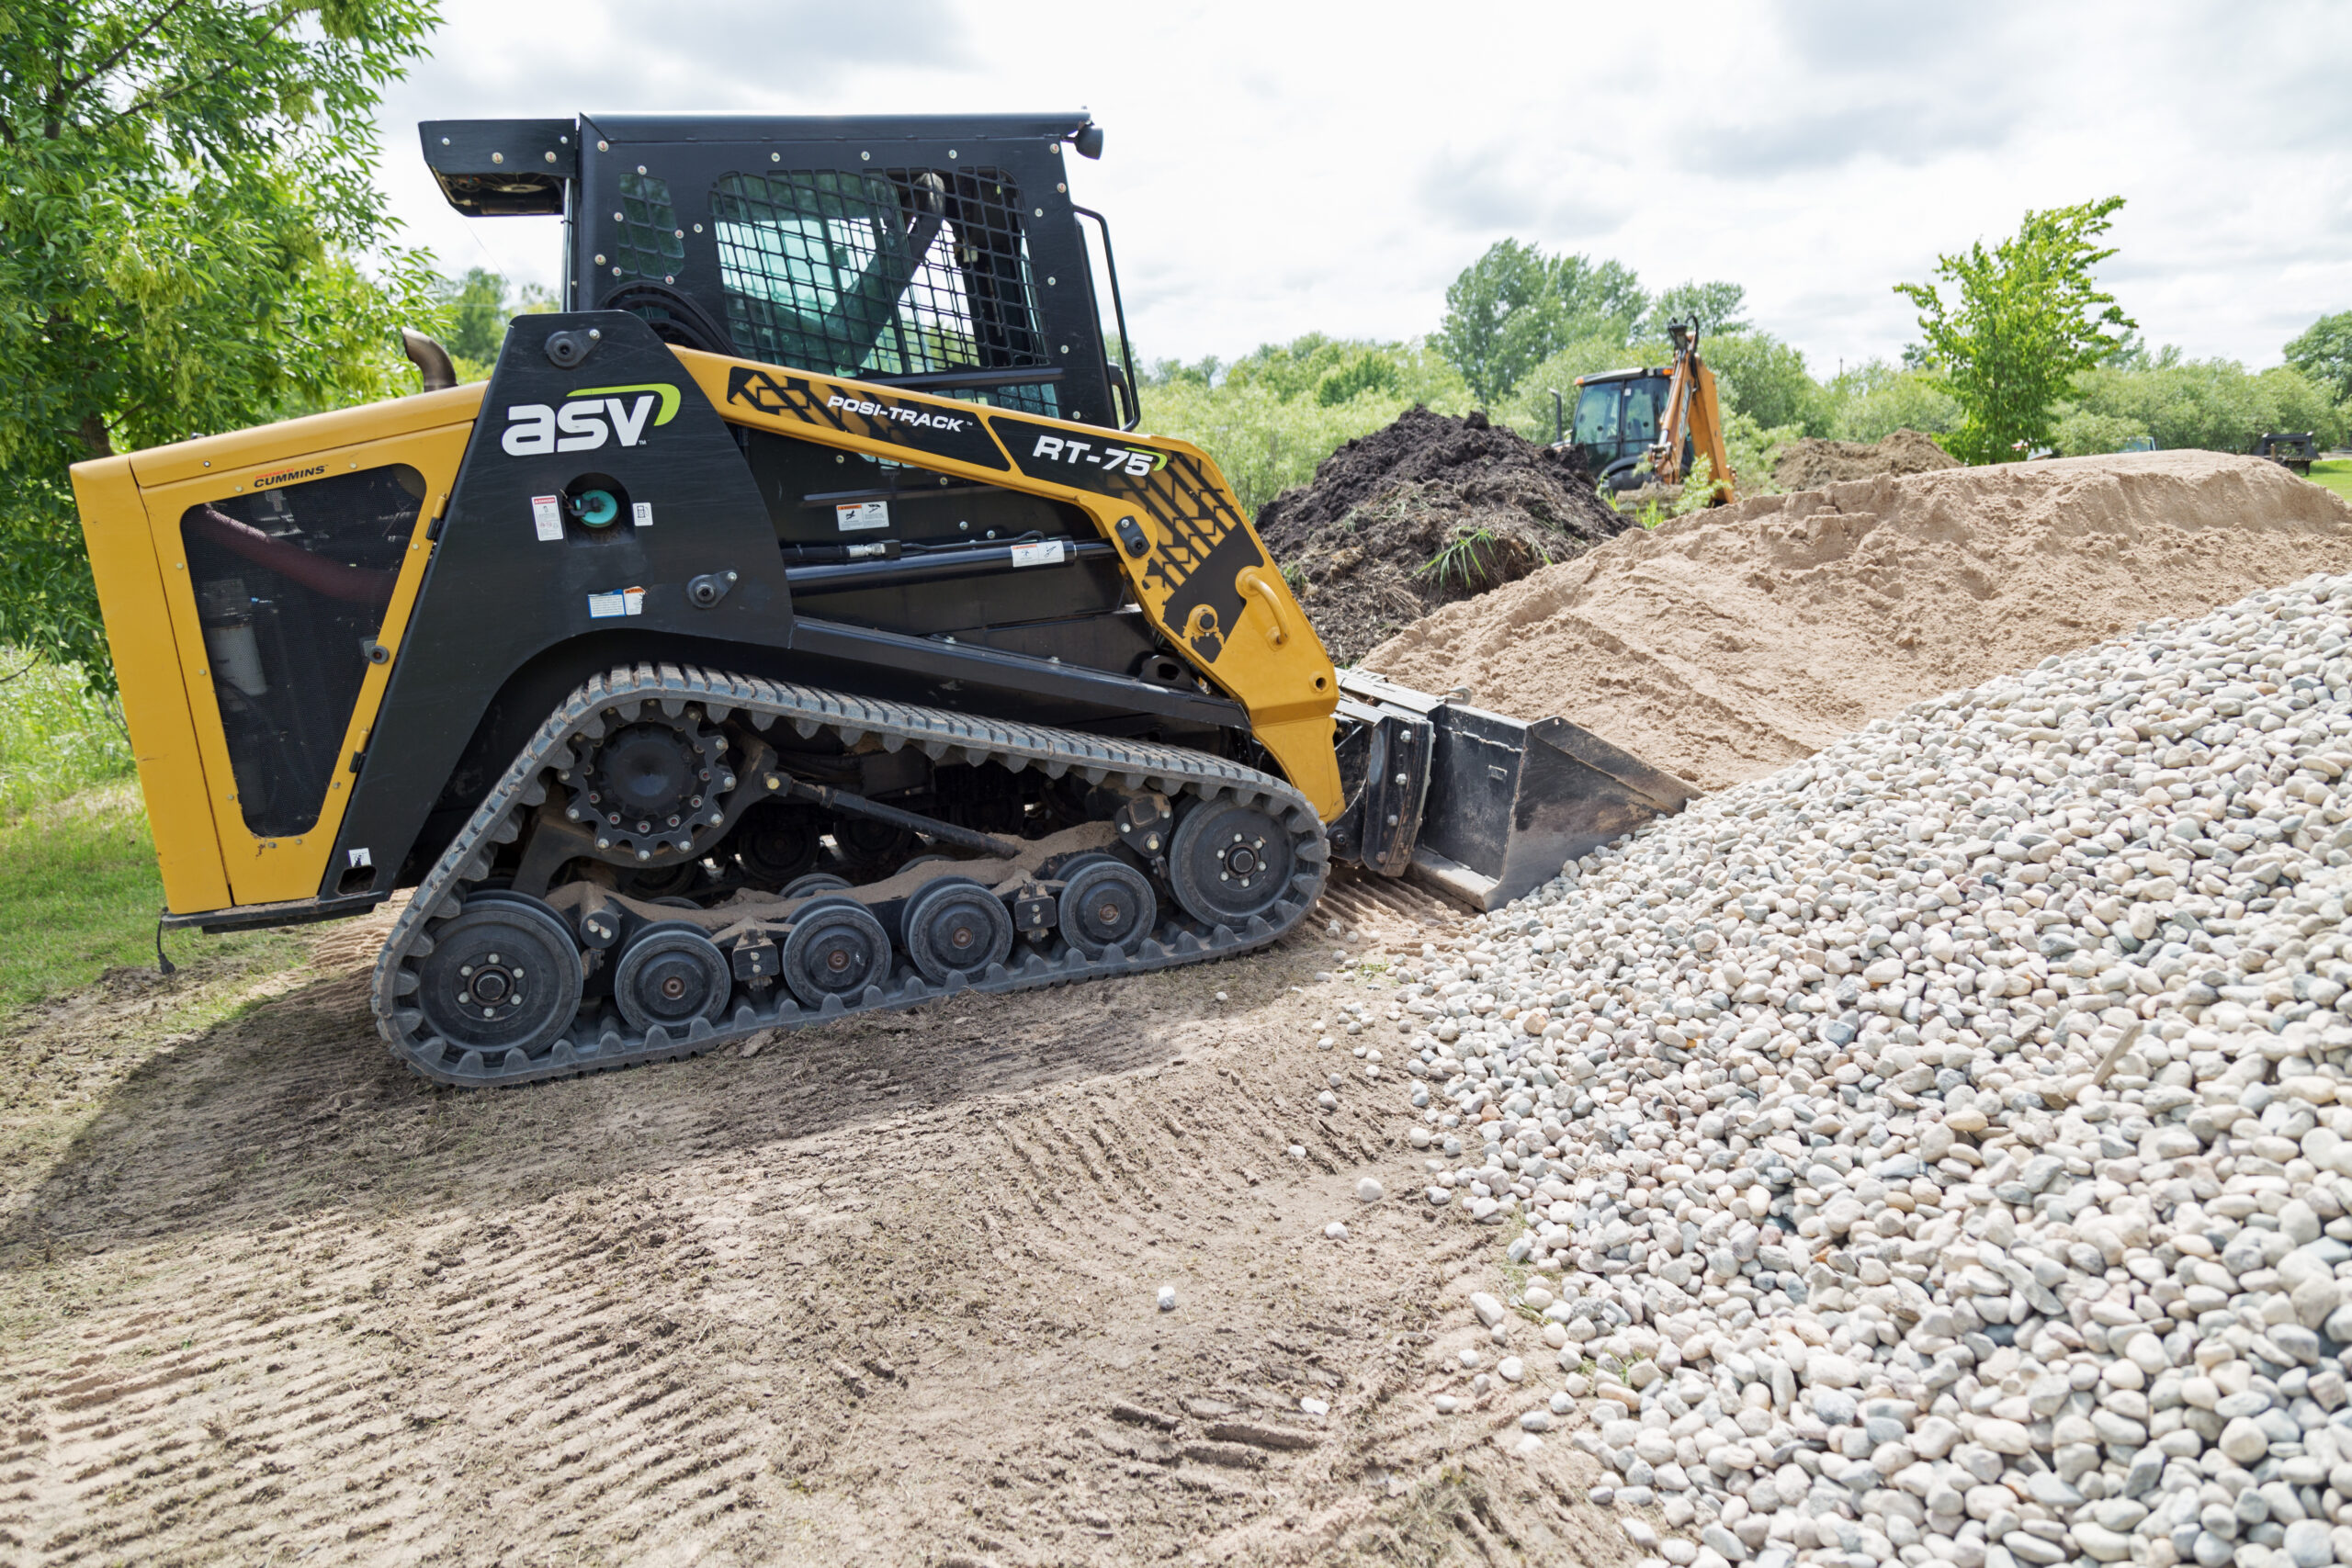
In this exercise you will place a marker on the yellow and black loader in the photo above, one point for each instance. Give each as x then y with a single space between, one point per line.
794 624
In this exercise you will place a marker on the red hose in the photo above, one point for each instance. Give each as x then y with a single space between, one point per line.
351 584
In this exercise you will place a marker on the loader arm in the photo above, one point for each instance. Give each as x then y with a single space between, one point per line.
1189 557
1693 409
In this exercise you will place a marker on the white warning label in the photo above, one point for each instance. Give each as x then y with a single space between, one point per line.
620 601
1045 552
547 516
858 514
641 513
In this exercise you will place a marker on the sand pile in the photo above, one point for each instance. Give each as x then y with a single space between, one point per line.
1426 511
1809 464
1726 645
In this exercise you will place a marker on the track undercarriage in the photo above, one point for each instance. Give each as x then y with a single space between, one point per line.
681 858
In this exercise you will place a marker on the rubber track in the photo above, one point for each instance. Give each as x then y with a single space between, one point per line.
941 735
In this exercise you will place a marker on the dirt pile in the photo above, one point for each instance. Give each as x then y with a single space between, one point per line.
1423 512
1727 645
1809 464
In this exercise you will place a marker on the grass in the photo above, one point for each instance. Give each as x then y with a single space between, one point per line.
1463 558
79 892
57 739
2336 474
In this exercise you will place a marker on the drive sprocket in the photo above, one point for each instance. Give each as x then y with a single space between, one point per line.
652 785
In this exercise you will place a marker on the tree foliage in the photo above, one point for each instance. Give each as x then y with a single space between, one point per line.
1715 306
1272 416
1514 308
2322 351
1759 375
1873 401
2027 320
2216 404
182 187
475 310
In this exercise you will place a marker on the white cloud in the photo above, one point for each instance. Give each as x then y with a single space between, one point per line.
1276 170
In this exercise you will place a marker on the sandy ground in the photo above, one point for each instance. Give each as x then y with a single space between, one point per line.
1727 645
882 1292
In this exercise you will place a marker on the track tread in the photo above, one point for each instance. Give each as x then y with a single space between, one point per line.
623 693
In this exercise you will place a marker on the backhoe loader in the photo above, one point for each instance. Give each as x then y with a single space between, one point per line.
1652 425
796 624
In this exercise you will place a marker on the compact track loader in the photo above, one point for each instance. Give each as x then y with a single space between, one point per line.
794 625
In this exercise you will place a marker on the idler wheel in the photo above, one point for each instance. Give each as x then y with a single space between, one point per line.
836 949
1229 861
503 976
776 842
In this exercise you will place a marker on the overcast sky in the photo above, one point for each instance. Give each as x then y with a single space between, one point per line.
1273 169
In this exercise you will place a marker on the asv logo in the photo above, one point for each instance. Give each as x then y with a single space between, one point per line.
587 419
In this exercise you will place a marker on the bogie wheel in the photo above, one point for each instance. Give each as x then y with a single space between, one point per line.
815 881
664 882
873 848
1229 861
1106 903
836 949
670 974
957 925
776 842
503 976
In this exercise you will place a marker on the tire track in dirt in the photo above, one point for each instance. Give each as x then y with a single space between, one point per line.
872 1293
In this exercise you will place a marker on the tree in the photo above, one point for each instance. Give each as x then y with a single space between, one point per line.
1514 308
475 310
2322 351
1716 305
1499 319
2216 404
477 307
184 185
1597 299
1764 379
2027 320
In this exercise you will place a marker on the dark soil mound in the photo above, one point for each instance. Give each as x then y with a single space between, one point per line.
1421 513
1810 464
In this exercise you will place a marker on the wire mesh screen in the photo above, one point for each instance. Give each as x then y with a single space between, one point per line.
648 243
897 273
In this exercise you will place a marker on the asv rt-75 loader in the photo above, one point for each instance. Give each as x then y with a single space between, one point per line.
793 625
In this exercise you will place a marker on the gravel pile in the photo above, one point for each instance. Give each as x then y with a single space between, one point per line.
1932 1152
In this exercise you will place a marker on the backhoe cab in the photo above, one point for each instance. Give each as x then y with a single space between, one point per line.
1638 426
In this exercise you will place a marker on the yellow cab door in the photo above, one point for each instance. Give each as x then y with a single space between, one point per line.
291 557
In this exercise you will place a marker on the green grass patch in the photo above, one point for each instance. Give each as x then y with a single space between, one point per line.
2336 473
57 738
79 891
79 894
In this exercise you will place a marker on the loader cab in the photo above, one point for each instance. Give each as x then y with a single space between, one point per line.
942 254
1617 419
